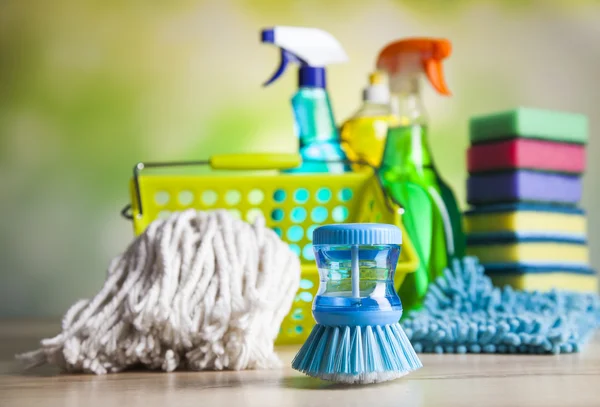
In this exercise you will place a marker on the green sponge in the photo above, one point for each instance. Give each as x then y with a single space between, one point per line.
530 123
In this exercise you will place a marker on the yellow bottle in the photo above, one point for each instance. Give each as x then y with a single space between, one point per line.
363 135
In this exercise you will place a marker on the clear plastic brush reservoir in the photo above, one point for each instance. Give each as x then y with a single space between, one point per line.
357 280
374 289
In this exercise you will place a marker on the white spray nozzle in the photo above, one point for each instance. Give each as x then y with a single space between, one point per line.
309 47
313 46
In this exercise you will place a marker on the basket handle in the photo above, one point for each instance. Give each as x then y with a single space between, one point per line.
256 161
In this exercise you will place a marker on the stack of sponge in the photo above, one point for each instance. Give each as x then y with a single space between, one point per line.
524 185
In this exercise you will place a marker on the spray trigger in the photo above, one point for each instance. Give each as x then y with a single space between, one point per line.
435 73
286 58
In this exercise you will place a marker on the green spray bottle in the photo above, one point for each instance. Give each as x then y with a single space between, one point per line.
432 218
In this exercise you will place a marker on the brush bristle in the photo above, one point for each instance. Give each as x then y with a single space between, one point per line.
357 354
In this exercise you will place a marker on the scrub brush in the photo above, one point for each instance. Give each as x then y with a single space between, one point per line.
357 338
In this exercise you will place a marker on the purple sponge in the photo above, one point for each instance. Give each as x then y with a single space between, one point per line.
523 185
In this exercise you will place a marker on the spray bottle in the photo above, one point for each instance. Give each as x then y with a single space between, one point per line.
363 135
318 136
432 217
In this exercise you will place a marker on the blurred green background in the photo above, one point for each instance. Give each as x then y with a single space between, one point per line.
89 88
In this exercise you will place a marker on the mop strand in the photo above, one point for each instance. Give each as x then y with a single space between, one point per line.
199 290
464 313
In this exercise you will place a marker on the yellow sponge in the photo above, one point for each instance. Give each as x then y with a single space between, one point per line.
531 252
547 281
526 219
531 246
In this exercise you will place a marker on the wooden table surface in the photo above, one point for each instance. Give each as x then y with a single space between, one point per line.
445 380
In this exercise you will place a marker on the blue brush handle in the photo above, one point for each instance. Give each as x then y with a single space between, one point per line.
353 317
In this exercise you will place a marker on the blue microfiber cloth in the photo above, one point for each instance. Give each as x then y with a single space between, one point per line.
463 312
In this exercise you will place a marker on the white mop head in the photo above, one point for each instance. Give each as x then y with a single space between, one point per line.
199 290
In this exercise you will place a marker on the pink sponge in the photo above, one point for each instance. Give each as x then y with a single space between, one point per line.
526 154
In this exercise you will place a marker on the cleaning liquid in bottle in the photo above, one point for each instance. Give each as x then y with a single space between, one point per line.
363 135
432 217
312 49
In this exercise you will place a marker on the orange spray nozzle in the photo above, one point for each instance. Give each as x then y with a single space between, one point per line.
430 52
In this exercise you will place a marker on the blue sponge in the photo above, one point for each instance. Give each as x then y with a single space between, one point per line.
463 312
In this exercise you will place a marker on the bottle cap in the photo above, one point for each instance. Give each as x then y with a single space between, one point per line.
311 77
377 91
357 234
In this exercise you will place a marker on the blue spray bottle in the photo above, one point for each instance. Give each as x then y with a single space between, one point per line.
315 125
